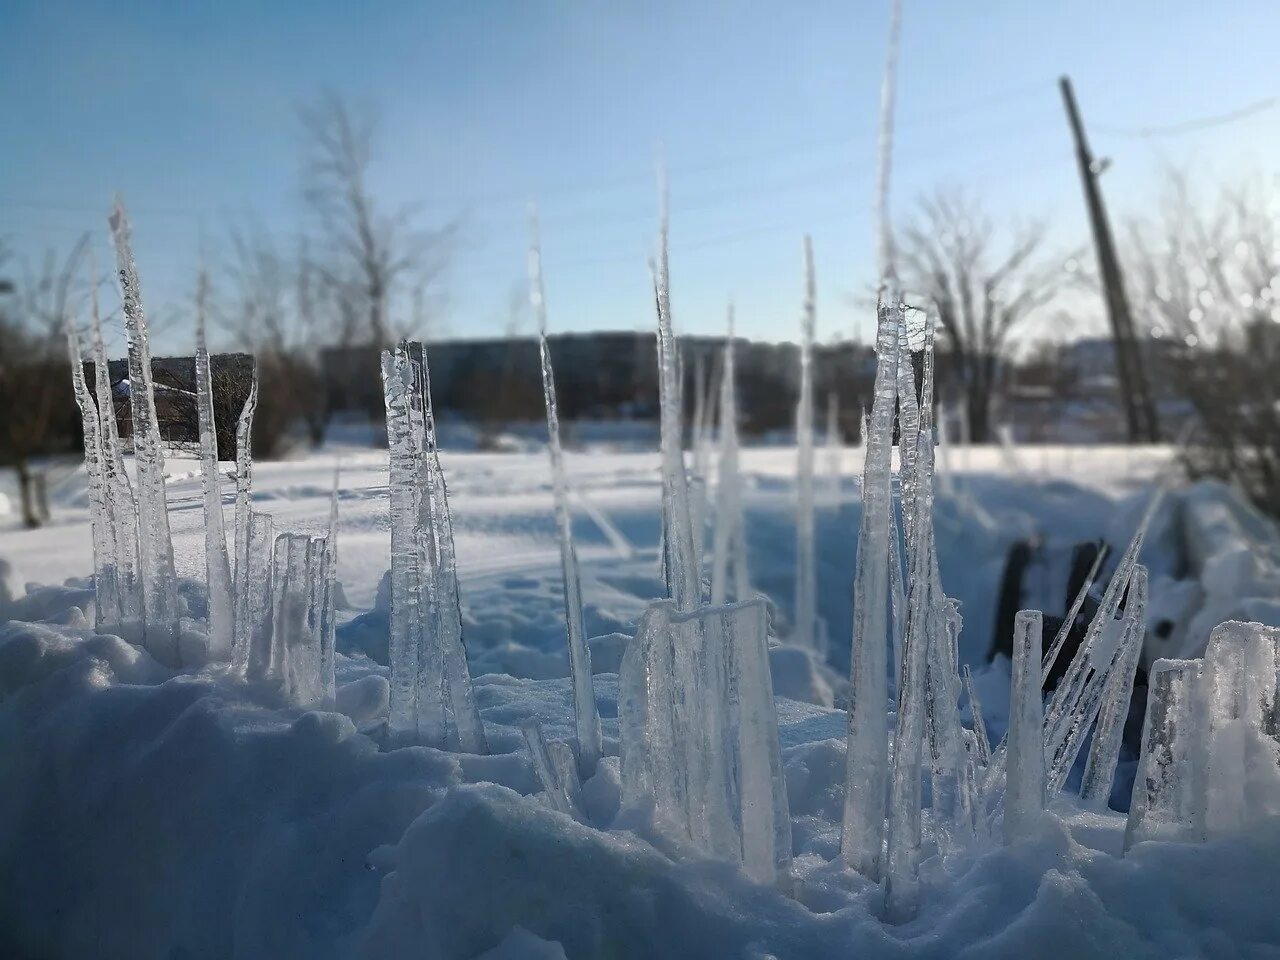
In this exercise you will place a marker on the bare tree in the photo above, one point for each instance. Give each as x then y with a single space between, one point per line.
1207 278
979 288
367 251
35 390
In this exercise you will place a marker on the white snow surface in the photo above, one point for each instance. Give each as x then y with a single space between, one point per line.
147 813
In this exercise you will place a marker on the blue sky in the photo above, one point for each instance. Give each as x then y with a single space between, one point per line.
766 113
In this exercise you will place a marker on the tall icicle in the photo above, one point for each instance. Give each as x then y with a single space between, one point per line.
806 625
1100 768
683 571
982 743
217 567
926 708
1025 789
105 568
404 639
122 510
244 625
730 579
587 719
155 544
867 755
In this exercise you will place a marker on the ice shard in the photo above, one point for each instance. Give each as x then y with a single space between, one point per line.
407 613
805 631
1168 801
699 734
155 544
105 565
298 596
1071 709
730 579
1064 631
217 566
1024 797
328 621
244 590
981 741
122 510
1100 768
431 696
258 566
867 755
560 795
682 566
927 694
1242 753
586 717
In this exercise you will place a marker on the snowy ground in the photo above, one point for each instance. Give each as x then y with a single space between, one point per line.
152 815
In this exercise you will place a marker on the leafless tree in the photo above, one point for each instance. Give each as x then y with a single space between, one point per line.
35 388
366 251
1207 277
978 287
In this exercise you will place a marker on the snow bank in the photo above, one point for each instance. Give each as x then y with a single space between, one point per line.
152 814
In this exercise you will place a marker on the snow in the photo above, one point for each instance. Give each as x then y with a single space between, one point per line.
154 813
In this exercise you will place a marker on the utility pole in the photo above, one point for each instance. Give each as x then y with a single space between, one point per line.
1135 391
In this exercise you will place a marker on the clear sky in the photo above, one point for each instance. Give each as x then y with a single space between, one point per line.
766 113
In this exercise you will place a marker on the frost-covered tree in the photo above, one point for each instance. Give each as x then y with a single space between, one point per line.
1206 274
980 284
367 250
39 413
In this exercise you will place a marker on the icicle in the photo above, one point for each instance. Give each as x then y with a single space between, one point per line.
159 582
105 579
1169 788
1077 693
217 566
1100 769
729 546
258 616
560 794
919 713
122 509
981 740
404 724
806 616
1025 789
867 755
683 572
699 733
298 587
587 719
244 625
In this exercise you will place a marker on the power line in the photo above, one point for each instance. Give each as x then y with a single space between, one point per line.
1191 126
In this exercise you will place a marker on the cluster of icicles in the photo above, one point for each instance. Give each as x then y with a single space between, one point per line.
274 622
698 727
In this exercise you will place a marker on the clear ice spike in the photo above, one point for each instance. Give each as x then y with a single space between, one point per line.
683 567
586 716
1100 768
244 589
155 544
1024 797
217 565
105 563
259 565
982 742
867 754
